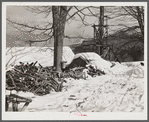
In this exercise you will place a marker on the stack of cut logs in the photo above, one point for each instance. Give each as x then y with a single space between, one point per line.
37 79
41 80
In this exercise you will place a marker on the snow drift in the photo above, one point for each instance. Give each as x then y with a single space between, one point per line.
117 91
123 69
91 58
106 93
44 55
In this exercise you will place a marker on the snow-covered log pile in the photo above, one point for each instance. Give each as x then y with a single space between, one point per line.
41 80
31 78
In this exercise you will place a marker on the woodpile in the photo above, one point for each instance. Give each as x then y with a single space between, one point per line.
41 80
36 79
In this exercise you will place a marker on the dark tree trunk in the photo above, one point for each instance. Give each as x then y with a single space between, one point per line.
59 20
101 28
140 19
101 24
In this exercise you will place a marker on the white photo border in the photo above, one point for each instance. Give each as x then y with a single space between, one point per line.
66 115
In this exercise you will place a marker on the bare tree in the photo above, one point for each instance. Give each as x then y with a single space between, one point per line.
138 13
62 14
56 29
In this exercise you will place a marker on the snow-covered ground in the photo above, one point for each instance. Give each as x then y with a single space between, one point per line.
44 55
120 90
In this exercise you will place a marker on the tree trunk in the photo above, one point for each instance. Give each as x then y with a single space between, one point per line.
101 24
140 19
59 20
101 28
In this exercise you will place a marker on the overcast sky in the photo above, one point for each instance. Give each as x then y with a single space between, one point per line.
73 27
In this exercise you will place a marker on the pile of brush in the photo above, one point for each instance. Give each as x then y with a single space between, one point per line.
41 80
31 78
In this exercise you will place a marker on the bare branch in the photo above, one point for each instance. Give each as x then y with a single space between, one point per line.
129 12
33 41
92 12
40 10
34 28
76 12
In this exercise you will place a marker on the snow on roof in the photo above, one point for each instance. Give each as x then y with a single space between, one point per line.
94 59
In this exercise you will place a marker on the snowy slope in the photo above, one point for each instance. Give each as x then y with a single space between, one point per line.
106 93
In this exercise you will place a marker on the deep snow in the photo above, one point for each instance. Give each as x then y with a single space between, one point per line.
120 90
